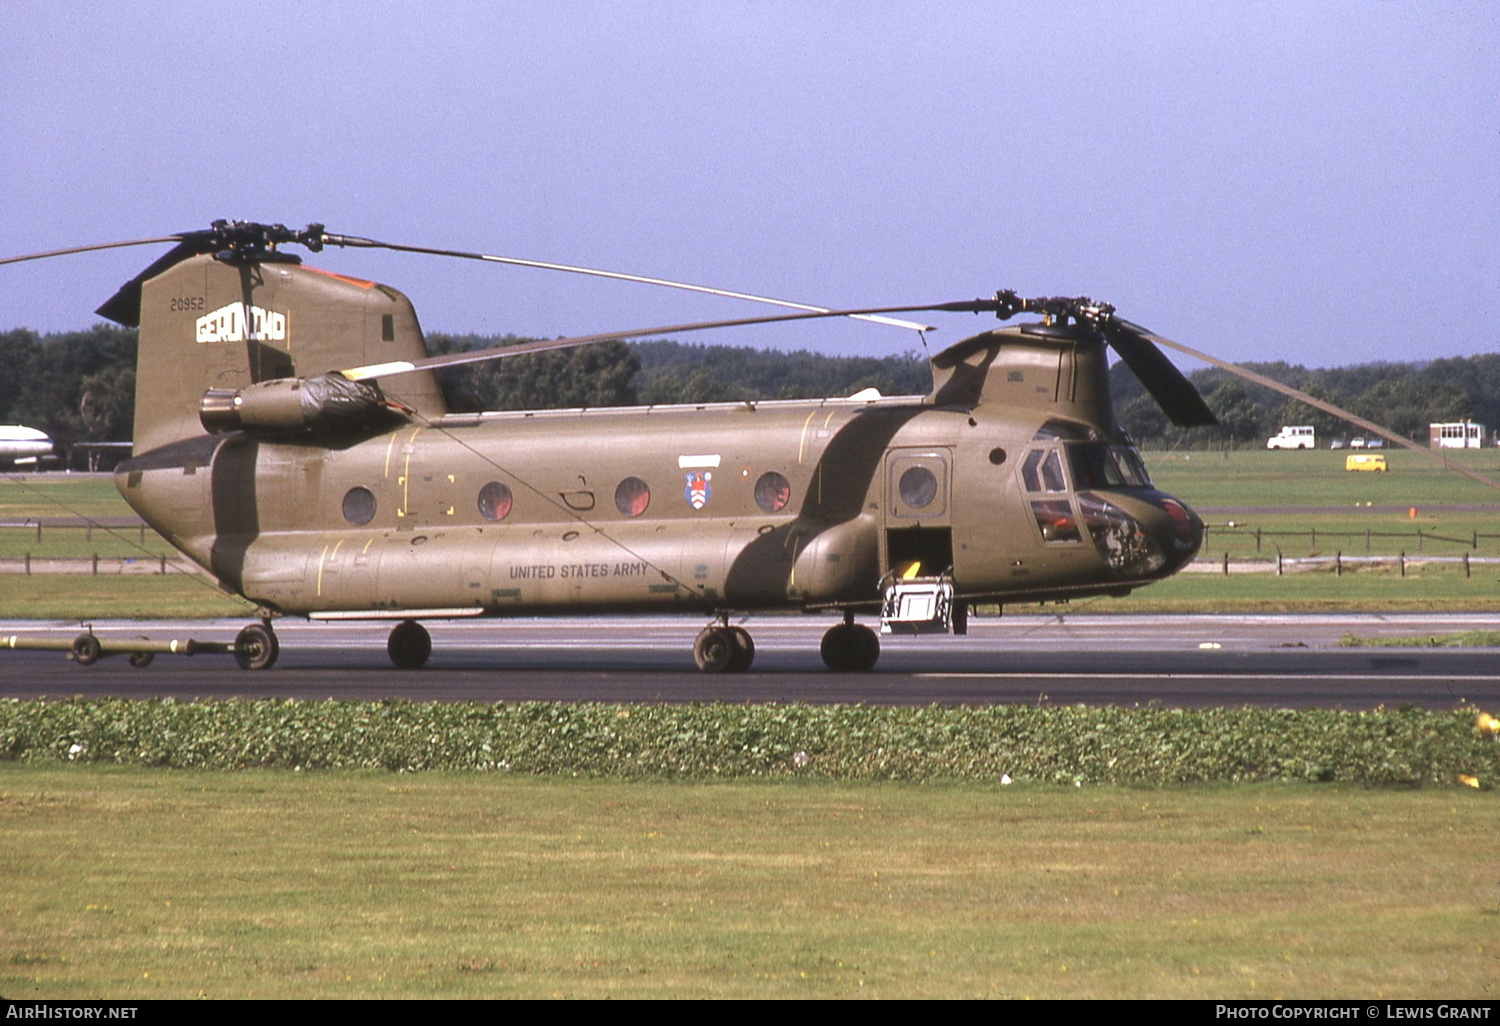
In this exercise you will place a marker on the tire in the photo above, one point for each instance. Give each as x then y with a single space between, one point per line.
140 660
868 651
409 645
714 650
256 648
86 650
850 648
744 650
960 618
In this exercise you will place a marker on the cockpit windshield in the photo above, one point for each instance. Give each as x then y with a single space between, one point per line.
1102 465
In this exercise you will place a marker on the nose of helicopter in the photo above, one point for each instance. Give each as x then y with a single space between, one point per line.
1178 531
1145 535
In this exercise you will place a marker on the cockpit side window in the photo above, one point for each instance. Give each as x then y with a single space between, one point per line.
1042 471
1098 465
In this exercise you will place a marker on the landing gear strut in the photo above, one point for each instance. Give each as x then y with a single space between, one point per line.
850 647
724 649
256 648
409 645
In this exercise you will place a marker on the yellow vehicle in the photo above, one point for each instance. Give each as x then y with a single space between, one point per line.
1365 461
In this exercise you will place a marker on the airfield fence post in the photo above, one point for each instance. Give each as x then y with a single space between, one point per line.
164 564
1338 563
1367 540
1403 562
1466 564
1226 564
1314 539
96 564
1475 543
1257 540
38 530
1278 561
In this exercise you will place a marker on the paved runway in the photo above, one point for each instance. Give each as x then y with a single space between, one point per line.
1278 661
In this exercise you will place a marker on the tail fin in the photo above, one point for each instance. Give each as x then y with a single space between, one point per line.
210 323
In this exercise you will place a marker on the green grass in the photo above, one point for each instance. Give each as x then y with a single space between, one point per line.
141 884
1318 478
60 495
85 598
1458 639
81 543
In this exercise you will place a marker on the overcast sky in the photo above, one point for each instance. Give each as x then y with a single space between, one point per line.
1312 182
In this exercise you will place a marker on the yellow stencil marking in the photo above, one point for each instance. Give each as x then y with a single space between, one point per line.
803 440
388 449
321 558
406 477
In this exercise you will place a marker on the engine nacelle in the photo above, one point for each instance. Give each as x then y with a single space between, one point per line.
326 404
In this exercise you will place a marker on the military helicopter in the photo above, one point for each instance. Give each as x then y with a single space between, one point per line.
291 439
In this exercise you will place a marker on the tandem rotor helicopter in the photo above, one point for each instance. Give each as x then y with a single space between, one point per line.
291 440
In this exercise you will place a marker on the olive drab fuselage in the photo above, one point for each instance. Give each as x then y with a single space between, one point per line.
1011 477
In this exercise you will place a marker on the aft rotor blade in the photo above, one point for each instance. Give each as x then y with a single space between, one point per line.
355 242
1173 392
90 249
1315 403
380 370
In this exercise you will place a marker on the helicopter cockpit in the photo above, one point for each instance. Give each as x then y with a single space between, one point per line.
1078 483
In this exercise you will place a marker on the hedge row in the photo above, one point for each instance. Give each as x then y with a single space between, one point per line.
1052 744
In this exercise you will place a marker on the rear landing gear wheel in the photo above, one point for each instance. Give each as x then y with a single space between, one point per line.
409 645
850 648
256 648
715 650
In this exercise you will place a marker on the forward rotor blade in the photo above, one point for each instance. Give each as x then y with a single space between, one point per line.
1173 392
1317 404
355 242
380 370
90 249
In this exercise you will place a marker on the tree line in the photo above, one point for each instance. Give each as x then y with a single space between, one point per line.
1404 397
80 386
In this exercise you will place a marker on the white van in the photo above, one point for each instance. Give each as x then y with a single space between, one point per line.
1300 437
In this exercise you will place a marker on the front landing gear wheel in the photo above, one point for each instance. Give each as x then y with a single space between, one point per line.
256 648
409 645
724 650
850 648
715 650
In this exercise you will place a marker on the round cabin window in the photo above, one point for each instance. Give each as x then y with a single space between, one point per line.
772 492
494 501
632 497
359 506
918 487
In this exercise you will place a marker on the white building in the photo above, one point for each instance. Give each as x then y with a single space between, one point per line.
1463 434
